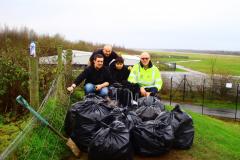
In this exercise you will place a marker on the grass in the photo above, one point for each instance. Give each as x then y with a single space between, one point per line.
224 63
8 131
214 139
41 143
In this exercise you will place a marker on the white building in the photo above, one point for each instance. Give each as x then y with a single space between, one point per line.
82 58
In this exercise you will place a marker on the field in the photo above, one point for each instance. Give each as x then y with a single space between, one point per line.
223 64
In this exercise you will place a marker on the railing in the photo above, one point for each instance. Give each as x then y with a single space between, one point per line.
219 94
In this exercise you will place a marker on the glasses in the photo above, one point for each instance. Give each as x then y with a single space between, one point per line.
145 58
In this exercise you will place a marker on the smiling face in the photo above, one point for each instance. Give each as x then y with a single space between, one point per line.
98 63
145 59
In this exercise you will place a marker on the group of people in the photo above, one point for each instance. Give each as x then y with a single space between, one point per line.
107 67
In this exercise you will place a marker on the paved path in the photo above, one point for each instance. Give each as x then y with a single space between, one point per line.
190 70
227 113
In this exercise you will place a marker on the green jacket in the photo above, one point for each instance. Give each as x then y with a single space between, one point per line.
146 78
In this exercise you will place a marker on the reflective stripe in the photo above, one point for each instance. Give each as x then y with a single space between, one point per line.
150 86
132 75
157 80
153 75
147 83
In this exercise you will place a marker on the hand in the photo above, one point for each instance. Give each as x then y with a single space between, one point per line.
70 89
130 68
98 87
148 94
143 92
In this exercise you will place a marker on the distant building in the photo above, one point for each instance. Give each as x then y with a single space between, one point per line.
81 58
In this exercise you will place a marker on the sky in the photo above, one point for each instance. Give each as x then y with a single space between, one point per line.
145 24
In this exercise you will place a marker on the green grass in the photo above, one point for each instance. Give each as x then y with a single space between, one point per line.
214 139
42 143
226 64
8 131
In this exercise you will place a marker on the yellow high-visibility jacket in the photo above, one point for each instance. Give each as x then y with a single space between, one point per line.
146 78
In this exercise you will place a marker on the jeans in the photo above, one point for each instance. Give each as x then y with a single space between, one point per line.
90 88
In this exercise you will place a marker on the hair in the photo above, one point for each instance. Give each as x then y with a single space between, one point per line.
145 54
108 46
119 60
97 56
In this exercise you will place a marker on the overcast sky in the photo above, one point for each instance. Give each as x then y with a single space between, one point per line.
156 24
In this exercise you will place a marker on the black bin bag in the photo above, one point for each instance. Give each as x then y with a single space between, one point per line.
111 142
183 128
149 108
82 118
182 125
152 138
151 101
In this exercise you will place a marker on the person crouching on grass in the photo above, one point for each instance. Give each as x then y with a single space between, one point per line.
96 78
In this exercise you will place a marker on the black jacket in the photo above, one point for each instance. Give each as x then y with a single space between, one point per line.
119 76
107 60
91 75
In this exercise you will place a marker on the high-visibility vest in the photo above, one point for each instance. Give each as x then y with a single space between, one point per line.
146 78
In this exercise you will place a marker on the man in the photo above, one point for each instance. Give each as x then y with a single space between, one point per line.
107 53
119 71
146 75
96 78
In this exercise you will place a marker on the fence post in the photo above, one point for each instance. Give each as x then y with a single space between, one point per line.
171 91
236 102
60 87
34 82
184 87
203 93
68 67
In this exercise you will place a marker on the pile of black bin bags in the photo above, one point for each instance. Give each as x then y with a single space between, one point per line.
115 133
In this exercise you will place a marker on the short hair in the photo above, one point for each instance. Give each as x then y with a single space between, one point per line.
145 54
97 56
108 46
119 60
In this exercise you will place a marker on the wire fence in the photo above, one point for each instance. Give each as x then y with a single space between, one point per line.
211 93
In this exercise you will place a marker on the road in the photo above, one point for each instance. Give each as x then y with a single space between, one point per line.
226 113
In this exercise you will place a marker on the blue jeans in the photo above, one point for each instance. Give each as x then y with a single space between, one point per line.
90 88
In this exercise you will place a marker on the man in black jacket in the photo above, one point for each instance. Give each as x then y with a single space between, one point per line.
107 53
96 76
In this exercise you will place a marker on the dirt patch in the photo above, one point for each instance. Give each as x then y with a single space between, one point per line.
172 155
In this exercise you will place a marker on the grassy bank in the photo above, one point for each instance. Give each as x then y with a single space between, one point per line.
214 139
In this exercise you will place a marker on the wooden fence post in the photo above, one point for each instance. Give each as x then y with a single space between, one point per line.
34 82
60 81
68 67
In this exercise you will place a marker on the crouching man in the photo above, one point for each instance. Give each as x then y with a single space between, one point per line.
96 76
146 75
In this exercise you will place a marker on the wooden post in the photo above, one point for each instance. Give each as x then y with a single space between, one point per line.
60 81
34 82
68 67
